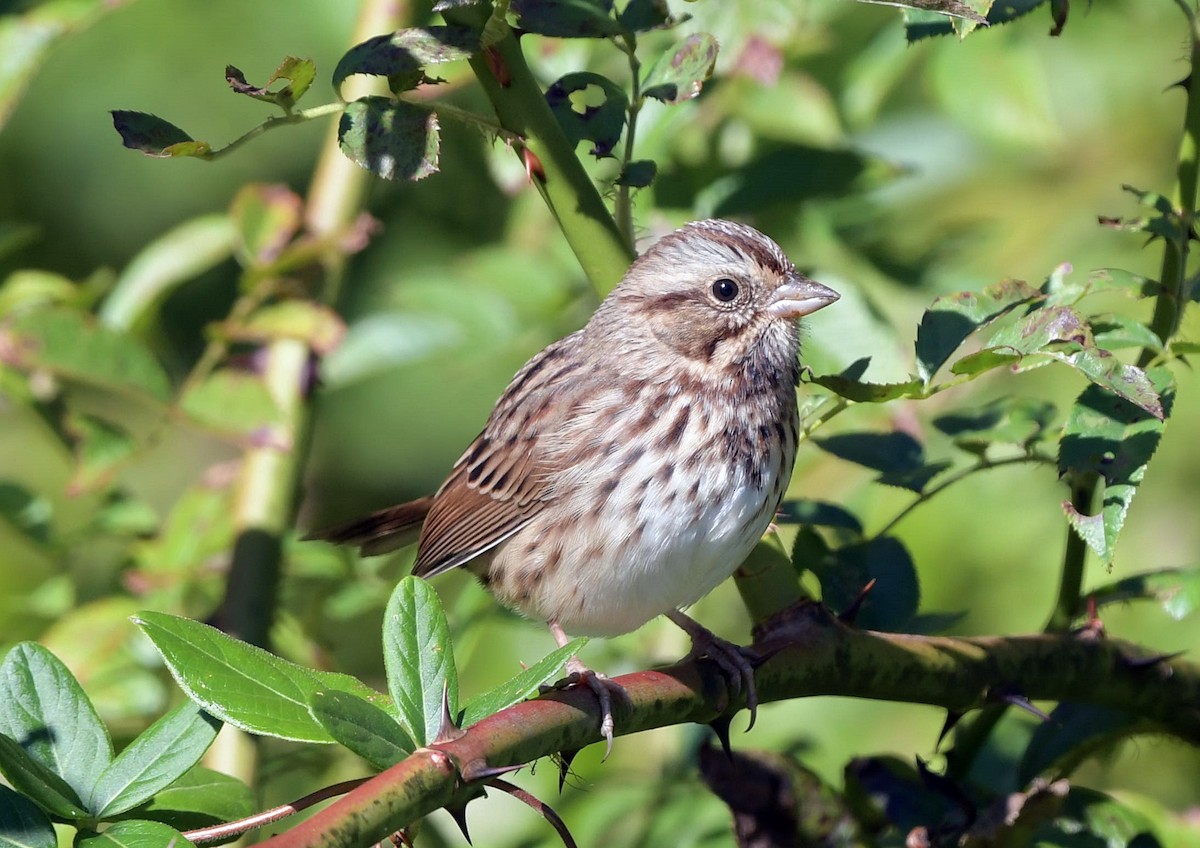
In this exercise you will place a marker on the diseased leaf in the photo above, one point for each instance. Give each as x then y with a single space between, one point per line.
392 139
1176 589
566 18
155 137
952 318
522 686
267 218
602 123
299 72
1108 372
845 572
402 56
22 823
419 658
949 8
1109 436
679 73
362 727
46 712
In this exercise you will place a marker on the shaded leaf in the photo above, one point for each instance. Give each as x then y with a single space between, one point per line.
266 218
1100 820
950 319
22 823
392 139
645 15
1111 437
362 727
45 711
819 514
402 56
241 684
419 658
638 173
100 450
522 686
135 834
844 572
200 798
566 18
898 457
848 386
32 778
1177 589
679 73
159 756
1075 731
1010 420
155 137
602 123
27 512
70 346
887 790
178 255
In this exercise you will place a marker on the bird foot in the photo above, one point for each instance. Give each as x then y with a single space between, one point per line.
605 690
735 661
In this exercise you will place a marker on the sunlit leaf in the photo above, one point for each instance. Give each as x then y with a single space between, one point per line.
1114 439
950 319
391 139
362 727
200 798
100 450
30 289
419 658
522 686
135 834
849 386
602 123
266 218
1009 420
679 73
299 72
317 325
1176 589
402 56
231 401
1120 332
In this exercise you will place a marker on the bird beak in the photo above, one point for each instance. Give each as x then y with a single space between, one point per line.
800 296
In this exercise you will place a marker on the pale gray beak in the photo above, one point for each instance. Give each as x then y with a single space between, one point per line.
800 296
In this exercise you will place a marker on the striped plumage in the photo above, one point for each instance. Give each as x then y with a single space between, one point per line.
630 467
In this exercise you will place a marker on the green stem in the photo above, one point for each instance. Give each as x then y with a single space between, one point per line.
623 206
1070 582
550 159
303 116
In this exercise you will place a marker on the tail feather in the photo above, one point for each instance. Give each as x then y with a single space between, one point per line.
380 532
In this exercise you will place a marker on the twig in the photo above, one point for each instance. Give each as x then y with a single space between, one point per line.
237 828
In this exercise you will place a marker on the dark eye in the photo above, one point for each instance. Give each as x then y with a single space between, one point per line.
725 289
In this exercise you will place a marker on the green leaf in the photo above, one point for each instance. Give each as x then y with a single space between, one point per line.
266 218
363 728
159 756
241 684
645 15
1108 372
29 290
31 778
70 346
1099 820
949 320
1177 589
848 386
175 257
318 326
637 174
45 711
1074 732
419 658
392 139
299 72
1020 421
1111 437
234 402
522 686
566 18
135 834
26 512
155 137
100 450
22 823
200 798
898 457
1119 332
819 514
598 122
402 56
844 573
679 73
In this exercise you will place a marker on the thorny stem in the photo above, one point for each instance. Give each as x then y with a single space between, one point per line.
623 206
984 464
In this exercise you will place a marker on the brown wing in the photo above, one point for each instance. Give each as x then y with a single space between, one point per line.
382 531
505 477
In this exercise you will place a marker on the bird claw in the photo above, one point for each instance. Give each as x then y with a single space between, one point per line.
735 661
605 690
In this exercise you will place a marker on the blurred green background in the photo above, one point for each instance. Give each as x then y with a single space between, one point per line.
892 172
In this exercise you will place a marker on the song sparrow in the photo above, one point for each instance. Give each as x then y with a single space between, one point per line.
630 467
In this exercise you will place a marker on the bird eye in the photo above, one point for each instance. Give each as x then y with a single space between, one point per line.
725 289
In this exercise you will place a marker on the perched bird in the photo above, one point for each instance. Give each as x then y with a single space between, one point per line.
631 467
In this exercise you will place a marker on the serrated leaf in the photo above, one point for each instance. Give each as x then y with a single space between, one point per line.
819 514
32 778
392 139
155 137
200 798
22 823
45 711
645 15
1177 589
159 756
1064 290
601 123
402 56
100 450
135 834
1120 332
241 684
950 319
69 345
229 401
848 386
947 8
566 18
1074 731
176 256
637 174
681 71
844 572
1019 421
266 218
898 457
522 686
1108 372
363 728
419 658
1114 439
